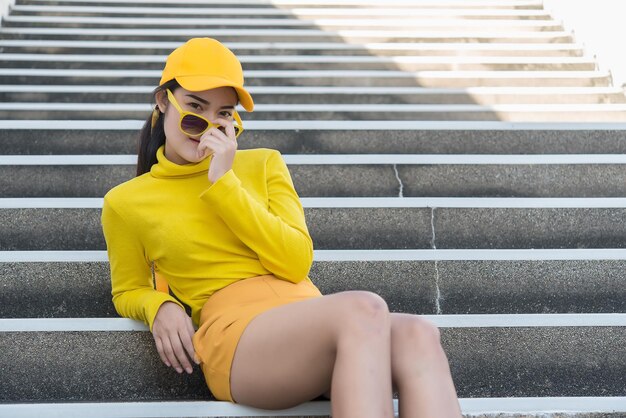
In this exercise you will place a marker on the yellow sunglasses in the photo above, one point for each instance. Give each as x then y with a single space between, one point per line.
193 124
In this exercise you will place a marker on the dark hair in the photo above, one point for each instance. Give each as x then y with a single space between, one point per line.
151 138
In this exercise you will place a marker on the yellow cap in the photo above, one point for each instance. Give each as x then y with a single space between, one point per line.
203 64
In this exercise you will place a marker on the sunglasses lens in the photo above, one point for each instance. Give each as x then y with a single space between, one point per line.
193 125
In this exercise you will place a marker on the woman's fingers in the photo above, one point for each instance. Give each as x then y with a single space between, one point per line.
191 332
181 356
187 344
171 356
171 335
159 346
230 127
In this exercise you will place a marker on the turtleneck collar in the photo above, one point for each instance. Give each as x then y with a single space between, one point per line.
164 168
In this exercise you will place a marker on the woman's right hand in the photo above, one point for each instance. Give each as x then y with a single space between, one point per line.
172 330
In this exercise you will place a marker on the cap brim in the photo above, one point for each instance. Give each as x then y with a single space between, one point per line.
196 83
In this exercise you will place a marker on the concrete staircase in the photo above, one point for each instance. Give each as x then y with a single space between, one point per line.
464 159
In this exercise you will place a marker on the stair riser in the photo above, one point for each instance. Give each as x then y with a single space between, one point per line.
616 115
557 180
77 290
424 81
310 66
354 50
470 37
363 228
485 362
77 141
503 29
430 98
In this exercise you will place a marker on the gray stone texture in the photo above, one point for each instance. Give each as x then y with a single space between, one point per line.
76 142
423 97
350 180
406 286
55 290
362 228
96 180
74 290
530 228
528 362
548 286
558 180
485 362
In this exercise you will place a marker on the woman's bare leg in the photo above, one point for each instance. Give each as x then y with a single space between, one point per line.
420 369
296 352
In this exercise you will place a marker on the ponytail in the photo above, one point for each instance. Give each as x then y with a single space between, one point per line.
152 134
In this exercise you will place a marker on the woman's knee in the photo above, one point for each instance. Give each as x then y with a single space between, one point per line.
364 311
415 334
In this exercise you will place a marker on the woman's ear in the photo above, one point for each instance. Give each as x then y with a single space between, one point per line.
161 100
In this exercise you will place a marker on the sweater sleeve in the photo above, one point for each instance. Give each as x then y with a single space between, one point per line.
132 287
277 233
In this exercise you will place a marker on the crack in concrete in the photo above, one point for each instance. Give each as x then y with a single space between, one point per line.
434 247
395 169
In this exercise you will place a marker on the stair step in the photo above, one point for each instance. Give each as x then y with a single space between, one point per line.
333 137
365 78
363 223
492 355
331 95
444 4
308 62
614 112
297 48
198 10
568 407
351 175
52 285
285 35
346 21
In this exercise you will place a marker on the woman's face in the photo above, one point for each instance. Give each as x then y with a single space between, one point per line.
213 104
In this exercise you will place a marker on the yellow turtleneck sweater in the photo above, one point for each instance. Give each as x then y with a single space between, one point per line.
203 236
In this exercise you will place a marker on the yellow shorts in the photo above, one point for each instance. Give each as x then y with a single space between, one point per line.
225 316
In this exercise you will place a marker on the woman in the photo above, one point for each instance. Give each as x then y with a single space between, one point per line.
226 230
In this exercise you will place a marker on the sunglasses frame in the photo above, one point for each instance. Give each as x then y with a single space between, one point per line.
184 113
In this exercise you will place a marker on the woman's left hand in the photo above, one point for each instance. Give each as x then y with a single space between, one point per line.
221 145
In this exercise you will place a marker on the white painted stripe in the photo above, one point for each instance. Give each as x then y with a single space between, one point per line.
372 46
364 202
248 11
462 202
41 203
53 256
570 254
120 89
287 32
421 3
529 320
573 254
70 324
430 159
345 159
68 160
350 23
172 409
325 125
435 59
335 108
542 406
561 75
443 321
193 409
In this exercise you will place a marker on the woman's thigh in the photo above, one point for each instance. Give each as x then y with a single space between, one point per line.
286 355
